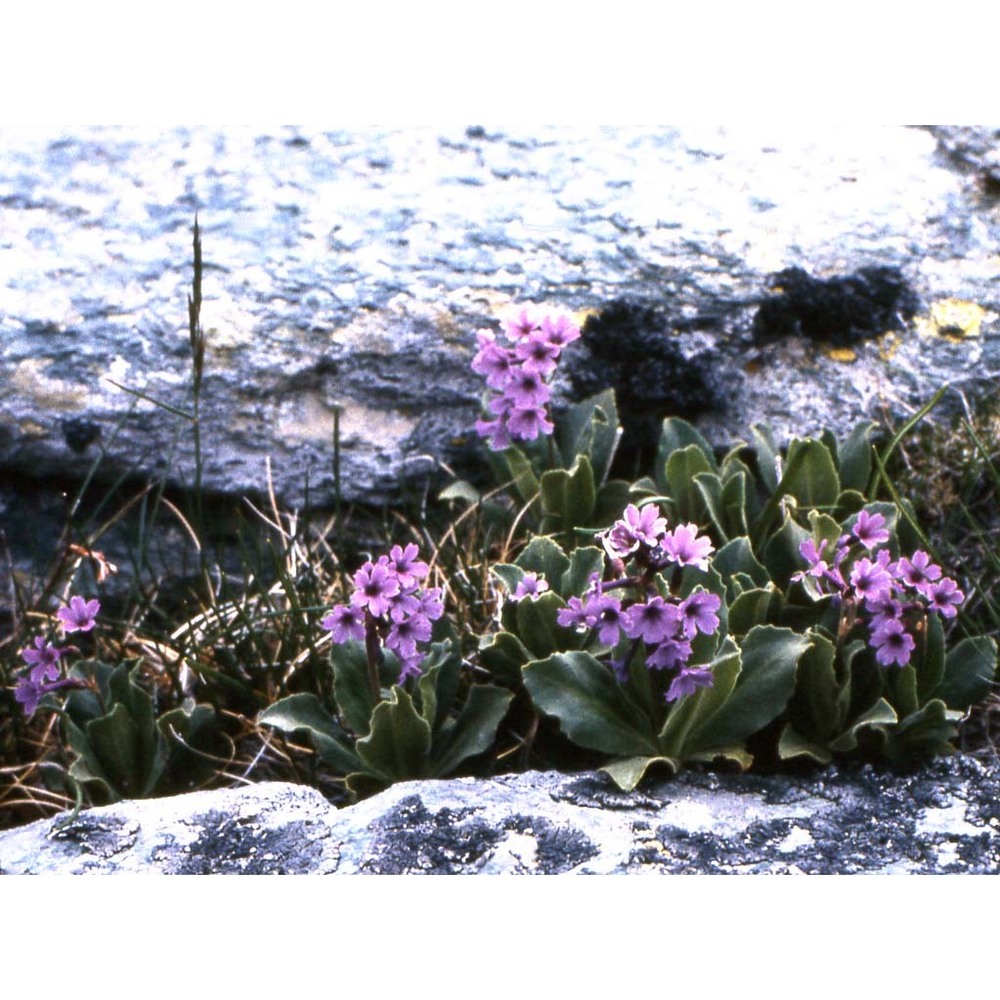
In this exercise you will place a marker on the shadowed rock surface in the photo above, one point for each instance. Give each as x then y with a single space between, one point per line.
944 818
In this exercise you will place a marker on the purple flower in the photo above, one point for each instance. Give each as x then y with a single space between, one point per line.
496 432
669 655
409 667
944 597
409 569
526 423
345 623
404 635
523 390
80 616
688 681
893 644
532 585
375 586
559 330
493 360
869 529
653 621
634 528
574 615
684 547
698 613
537 354
812 554
883 608
870 579
29 693
522 323
44 661
604 612
918 571
430 604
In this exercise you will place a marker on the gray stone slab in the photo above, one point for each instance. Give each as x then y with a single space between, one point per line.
944 818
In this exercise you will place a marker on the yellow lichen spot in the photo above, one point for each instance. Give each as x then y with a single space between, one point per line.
846 355
952 318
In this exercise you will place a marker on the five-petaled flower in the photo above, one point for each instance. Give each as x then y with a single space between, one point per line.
79 616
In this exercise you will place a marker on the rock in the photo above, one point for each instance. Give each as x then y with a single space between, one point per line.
944 818
350 271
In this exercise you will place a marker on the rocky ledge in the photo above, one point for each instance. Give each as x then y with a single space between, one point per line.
943 818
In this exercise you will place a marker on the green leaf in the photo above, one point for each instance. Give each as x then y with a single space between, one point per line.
590 705
793 744
759 606
131 757
735 515
305 713
736 556
474 730
810 474
767 456
590 428
461 490
399 743
583 563
352 688
929 659
969 671
709 488
770 658
542 555
781 554
503 654
817 709
695 711
674 435
537 628
627 773
924 733
682 466
879 718
856 458
522 473
568 498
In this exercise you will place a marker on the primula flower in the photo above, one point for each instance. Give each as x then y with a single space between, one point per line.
345 623
653 621
538 354
404 635
893 644
634 528
28 693
559 330
531 585
870 530
669 655
688 681
604 613
493 360
685 548
522 323
870 579
43 660
375 586
80 616
698 613
944 597
918 571
407 565
526 423
574 615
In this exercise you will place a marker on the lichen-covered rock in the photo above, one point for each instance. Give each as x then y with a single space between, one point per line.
943 818
347 272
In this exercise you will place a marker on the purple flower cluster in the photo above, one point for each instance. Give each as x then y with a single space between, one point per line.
517 365
895 596
44 673
389 606
666 625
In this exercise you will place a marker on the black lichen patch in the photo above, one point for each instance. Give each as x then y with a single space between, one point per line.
559 848
841 311
79 433
101 836
233 846
632 349
410 838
